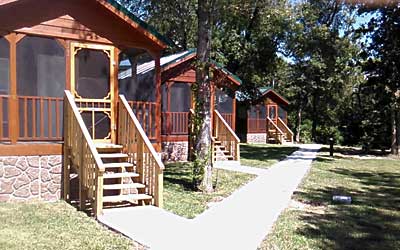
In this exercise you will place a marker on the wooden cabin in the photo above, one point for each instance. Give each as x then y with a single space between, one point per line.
61 111
177 76
266 120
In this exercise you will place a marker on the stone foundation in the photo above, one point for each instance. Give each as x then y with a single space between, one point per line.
257 138
30 178
175 151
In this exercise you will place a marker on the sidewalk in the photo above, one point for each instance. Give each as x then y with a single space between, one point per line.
241 221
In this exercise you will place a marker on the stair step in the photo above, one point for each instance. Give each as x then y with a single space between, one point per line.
113 155
120 175
118 165
123 186
127 197
108 145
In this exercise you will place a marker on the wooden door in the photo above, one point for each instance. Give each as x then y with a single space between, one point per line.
94 87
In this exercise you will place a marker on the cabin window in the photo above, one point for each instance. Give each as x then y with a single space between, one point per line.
4 86
40 86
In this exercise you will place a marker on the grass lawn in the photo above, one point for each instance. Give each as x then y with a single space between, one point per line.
53 226
179 196
372 221
264 155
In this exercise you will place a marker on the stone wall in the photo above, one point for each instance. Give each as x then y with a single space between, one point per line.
175 151
257 138
30 177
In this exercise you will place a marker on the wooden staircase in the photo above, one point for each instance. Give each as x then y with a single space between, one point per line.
121 182
220 151
109 174
278 132
225 143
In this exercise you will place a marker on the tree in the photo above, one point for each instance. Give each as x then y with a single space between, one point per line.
322 52
202 93
382 66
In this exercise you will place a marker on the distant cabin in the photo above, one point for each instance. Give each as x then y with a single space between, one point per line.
177 76
265 120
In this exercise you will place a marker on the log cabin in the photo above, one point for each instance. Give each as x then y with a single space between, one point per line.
64 124
177 76
266 119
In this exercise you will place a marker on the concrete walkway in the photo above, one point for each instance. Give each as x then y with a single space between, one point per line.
240 221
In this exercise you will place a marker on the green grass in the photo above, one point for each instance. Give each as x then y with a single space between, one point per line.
53 226
372 221
264 155
181 199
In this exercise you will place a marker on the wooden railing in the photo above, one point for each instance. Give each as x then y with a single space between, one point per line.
40 118
81 154
146 114
175 123
274 131
283 127
4 129
255 125
140 151
224 133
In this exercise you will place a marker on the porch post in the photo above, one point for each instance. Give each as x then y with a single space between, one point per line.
158 100
13 101
212 107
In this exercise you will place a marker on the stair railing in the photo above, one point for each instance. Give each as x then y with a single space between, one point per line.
283 127
81 153
224 133
141 152
278 134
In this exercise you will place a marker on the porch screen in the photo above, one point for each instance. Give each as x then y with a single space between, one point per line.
180 95
224 102
143 86
40 86
282 114
175 118
257 119
4 86
138 83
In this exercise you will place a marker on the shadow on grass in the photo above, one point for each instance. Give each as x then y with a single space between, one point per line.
179 173
265 153
370 222
355 151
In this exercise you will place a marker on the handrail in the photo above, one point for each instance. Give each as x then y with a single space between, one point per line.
140 151
286 128
227 126
226 135
80 152
279 131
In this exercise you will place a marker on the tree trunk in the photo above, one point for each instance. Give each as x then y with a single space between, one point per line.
298 122
202 145
395 132
314 118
